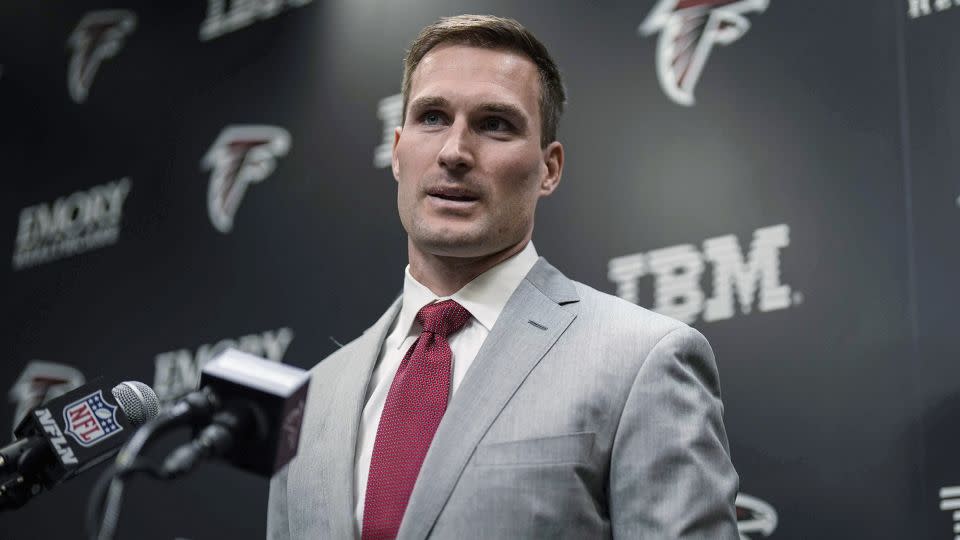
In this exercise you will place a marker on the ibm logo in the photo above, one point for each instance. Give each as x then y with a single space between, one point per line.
677 271
920 8
950 502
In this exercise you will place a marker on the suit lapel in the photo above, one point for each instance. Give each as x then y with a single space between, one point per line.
530 323
329 455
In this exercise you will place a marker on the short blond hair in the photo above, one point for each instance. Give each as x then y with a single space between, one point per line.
490 32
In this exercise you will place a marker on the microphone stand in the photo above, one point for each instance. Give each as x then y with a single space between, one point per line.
196 407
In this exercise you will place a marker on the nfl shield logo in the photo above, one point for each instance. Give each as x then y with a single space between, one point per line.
90 419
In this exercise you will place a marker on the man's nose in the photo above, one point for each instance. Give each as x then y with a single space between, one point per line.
457 150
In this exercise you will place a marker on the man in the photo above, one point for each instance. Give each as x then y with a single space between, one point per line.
496 398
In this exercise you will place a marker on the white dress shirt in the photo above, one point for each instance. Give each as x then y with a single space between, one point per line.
484 298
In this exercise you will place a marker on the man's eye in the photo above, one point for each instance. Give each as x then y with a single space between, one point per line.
432 118
494 123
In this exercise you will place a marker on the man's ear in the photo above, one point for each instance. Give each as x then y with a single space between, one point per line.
395 161
553 161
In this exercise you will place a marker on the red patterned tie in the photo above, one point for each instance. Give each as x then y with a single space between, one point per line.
415 404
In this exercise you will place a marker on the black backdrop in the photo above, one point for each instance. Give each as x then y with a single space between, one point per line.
802 212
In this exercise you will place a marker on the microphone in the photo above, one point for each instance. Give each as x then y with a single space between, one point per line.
255 425
248 411
70 434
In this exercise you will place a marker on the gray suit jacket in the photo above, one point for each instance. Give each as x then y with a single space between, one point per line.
583 416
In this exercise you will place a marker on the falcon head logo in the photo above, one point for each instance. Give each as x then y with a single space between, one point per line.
240 156
689 29
754 516
41 382
98 36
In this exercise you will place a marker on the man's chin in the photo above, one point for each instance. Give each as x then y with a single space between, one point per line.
461 247
450 244
454 248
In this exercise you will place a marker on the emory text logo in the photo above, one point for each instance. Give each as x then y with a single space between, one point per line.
241 13
241 155
80 222
98 36
677 271
178 372
689 29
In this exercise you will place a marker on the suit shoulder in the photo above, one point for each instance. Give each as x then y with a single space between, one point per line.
624 317
632 334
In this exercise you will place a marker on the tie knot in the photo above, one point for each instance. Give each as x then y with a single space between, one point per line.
443 318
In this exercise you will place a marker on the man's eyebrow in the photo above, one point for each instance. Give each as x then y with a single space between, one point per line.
427 102
506 109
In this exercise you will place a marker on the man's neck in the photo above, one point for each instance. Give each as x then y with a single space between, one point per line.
445 275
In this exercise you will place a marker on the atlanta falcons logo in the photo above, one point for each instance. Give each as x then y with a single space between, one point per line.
240 156
689 29
754 516
40 382
98 36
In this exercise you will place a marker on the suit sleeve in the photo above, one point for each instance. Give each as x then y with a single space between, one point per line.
278 526
670 469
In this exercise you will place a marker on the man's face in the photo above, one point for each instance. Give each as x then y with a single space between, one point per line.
468 159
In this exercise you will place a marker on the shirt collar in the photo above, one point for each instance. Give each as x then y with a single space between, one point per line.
484 297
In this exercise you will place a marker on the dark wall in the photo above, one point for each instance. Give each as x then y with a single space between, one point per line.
798 205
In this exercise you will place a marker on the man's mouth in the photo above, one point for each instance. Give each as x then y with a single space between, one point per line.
453 194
